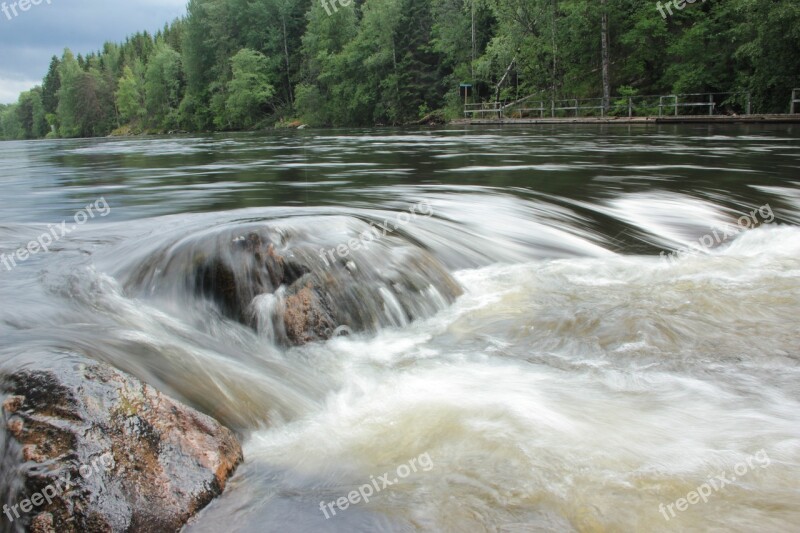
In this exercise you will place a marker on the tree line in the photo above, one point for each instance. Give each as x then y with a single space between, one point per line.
246 64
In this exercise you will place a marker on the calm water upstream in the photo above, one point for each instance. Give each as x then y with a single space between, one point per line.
583 382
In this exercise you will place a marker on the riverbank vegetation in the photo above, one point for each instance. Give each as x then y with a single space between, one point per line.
247 64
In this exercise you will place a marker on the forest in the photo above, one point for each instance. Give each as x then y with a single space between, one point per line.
231 65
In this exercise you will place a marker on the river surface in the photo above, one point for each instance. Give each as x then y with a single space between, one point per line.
626 341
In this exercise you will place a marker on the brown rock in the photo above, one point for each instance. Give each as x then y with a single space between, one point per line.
305 317
13 403
43 523
138 460
29 453
15 426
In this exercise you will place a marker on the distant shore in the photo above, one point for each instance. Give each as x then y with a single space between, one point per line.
686 119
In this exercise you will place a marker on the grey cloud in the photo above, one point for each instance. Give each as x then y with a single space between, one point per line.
30 39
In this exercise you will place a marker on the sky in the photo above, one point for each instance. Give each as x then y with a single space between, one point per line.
29 39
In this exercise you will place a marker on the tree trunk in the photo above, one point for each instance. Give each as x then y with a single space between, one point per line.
503 79
286 52
604 42
472 63
554 4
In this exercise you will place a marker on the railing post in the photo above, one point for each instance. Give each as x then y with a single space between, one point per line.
794 99
676 105
576 108
660 105
710 105
552 108
748 103
630 107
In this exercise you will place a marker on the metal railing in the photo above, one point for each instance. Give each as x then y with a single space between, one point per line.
587 107
795 100
490 108
573 107
698 100
709 104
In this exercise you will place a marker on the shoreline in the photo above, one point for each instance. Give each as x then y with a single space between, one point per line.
680 119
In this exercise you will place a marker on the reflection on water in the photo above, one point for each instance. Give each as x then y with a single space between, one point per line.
581 381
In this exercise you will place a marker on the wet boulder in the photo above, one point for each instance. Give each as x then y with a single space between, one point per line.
98 450
300 285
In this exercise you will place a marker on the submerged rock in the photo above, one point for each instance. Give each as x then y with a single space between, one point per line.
294 286
103 451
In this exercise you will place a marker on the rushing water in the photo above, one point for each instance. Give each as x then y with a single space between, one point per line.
582 381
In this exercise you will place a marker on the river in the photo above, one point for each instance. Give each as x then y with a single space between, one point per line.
627 337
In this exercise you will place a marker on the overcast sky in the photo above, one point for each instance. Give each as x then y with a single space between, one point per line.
29 40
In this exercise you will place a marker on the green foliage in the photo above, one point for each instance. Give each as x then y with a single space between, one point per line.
50 87
768 55
323 97
163 87
249 92
31 114
130 100
237 64
10 126
69 100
